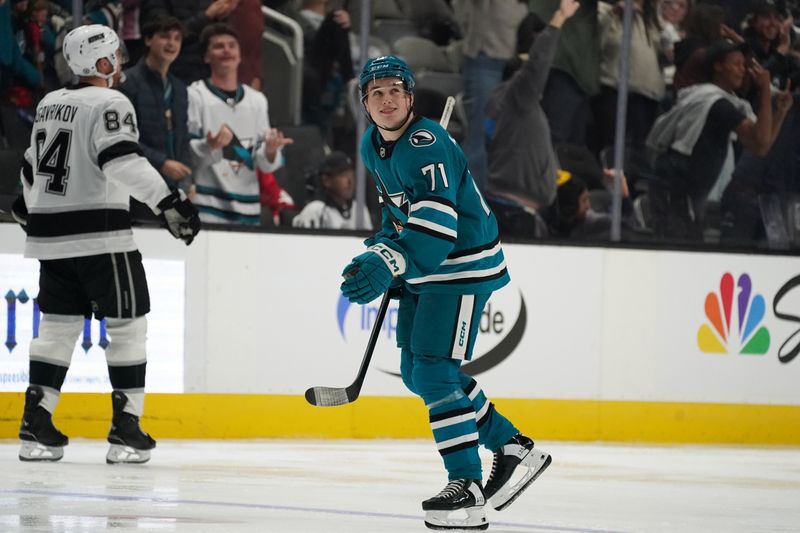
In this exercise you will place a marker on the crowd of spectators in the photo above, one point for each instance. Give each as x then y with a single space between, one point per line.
711 136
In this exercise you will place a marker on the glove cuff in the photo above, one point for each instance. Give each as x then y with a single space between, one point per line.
174 197
394 260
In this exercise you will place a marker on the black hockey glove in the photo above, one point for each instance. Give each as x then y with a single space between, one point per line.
180 216
19 210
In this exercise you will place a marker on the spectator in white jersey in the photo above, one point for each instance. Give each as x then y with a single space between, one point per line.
231 135
336 207
82 167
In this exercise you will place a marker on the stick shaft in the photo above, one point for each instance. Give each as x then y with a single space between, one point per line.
370 349
447 111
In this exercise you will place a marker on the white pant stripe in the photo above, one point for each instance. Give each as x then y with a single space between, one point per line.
116 285
456 441
480 414
130 285
453 420
463 326
474 394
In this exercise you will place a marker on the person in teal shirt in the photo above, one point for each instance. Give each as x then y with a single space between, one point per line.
439 247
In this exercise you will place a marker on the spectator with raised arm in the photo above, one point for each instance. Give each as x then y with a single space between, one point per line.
522 163
575 76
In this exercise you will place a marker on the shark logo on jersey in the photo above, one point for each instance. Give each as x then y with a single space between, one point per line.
398 200
240 152
422 138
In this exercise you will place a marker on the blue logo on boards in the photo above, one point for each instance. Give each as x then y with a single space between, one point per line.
493 322
16 303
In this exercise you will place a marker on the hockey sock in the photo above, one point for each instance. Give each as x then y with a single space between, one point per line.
49 378
451 415
494 429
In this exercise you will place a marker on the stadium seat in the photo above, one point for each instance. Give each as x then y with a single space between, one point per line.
422 54
389 30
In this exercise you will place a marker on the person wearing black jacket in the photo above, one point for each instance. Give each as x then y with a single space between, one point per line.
161 102
195 15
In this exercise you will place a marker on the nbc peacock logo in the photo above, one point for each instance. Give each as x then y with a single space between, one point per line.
734 319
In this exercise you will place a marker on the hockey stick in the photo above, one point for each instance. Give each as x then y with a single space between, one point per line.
331 396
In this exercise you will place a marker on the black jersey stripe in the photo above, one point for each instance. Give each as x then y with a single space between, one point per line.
27 172
117 150
77 222
476 250
428 231
457 447
451 414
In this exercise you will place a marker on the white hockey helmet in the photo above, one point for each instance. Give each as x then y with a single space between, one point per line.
85 45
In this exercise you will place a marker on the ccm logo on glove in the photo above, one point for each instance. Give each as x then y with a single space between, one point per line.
393 259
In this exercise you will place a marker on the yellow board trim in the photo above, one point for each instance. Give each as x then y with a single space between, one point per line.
240 416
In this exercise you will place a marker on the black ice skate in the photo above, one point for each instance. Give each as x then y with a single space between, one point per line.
516 465
129 444
459 495
41 441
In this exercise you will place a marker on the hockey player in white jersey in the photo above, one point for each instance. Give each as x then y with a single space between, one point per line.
82 167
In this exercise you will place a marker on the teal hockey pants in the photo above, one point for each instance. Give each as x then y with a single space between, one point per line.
436 333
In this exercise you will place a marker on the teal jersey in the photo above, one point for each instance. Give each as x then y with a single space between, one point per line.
433 214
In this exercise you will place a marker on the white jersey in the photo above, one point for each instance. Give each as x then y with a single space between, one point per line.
82 167
320 215
227 184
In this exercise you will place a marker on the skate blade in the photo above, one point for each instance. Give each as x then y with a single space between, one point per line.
35 451
444 520
536 462
119 453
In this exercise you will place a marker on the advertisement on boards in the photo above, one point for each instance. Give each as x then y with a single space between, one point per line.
20 319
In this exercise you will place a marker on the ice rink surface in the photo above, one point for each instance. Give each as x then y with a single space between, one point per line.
377 486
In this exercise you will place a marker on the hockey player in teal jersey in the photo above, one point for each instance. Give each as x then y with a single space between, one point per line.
439 244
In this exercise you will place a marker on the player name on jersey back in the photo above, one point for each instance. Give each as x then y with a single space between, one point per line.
62 112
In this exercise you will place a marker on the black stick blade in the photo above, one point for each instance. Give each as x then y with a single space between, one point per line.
327 396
